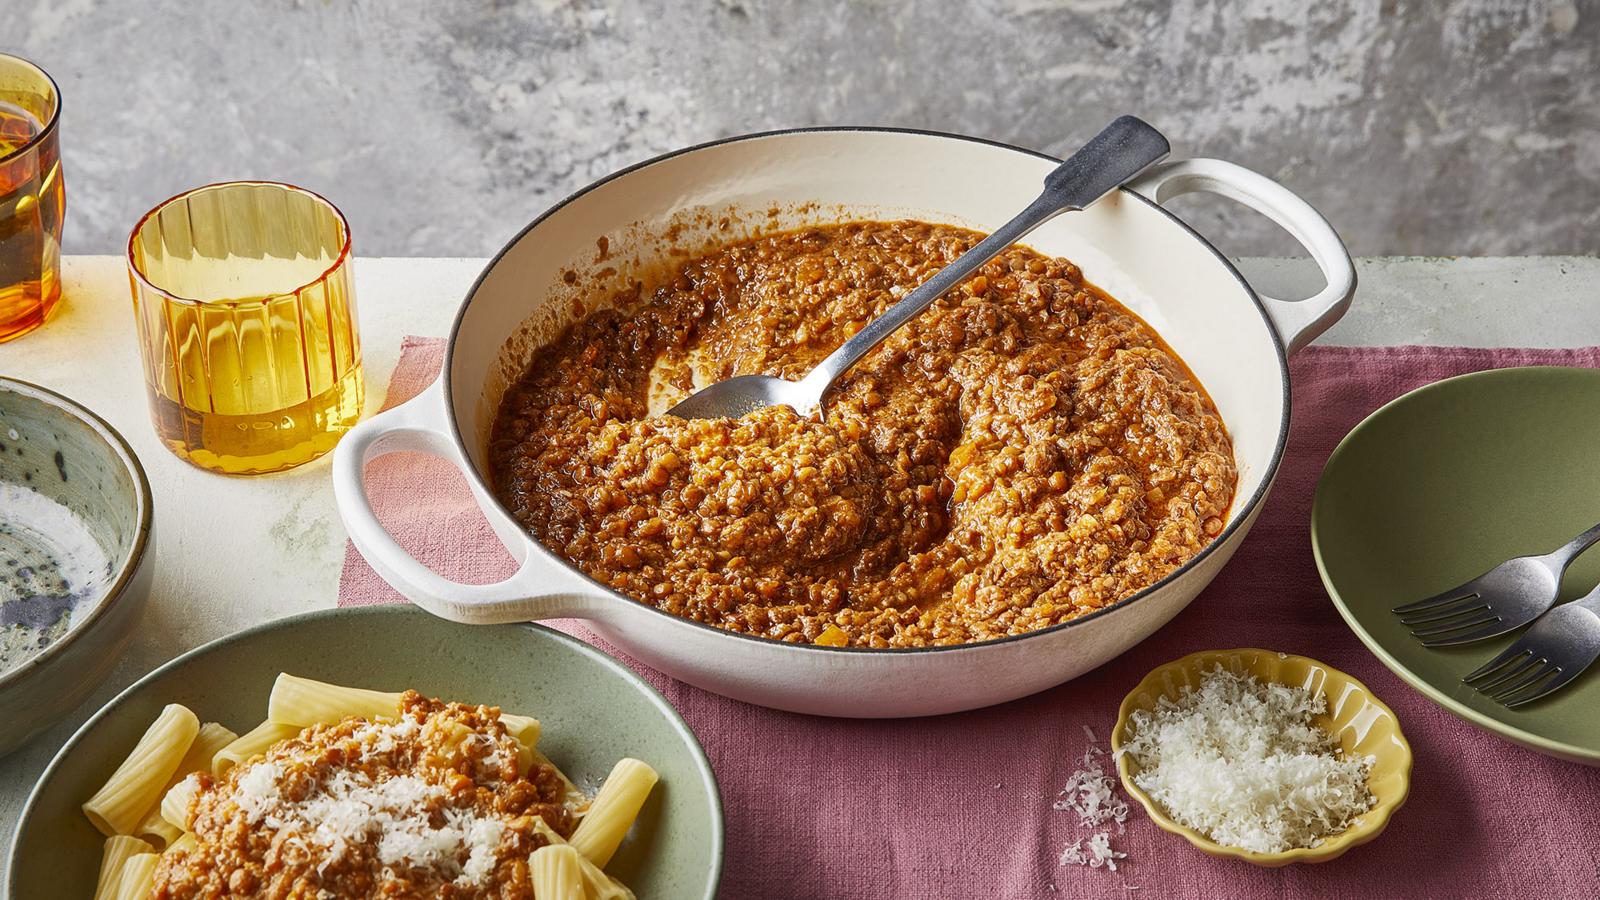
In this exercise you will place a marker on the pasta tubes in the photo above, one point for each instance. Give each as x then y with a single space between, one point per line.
599 885
556 874
574 798
155 827
119 848
137 875
300 702
211 739
524 728
613 810
253 742
175 804
119 806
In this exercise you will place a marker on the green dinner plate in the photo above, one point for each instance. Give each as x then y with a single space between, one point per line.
1441 485
593 710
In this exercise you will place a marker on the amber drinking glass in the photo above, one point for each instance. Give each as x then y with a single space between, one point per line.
247 324
32 197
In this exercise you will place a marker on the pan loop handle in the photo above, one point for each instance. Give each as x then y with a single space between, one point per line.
1297 322
540 589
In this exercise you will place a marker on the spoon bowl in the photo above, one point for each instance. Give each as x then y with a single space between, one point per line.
744 394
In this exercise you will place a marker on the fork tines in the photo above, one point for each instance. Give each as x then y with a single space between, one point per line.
1450 618
1556 650
1447 598
1517 677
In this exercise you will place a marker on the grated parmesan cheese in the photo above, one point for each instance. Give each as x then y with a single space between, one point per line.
1094 852
350 808
1091 793
1242 762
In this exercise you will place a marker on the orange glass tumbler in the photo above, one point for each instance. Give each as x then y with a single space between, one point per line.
247 324
32 197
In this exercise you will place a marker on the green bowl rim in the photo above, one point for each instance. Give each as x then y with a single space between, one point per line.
709 776
1450 704
144 509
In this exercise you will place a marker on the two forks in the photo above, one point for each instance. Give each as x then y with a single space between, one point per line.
1559 646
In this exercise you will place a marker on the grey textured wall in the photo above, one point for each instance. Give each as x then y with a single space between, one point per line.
1467 127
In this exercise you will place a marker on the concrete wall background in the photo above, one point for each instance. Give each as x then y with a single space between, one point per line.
442 126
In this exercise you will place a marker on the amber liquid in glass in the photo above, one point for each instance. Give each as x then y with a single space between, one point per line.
245 306
260 385
31 205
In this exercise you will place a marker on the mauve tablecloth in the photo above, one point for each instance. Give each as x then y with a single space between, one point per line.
960 806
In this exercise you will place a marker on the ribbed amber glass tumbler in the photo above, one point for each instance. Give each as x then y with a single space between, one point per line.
247 323
32 197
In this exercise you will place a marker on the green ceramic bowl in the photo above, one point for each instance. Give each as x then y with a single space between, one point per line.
75 530
593 710
1441 485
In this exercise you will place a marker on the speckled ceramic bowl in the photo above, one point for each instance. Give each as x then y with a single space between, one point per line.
75 527
1360 722
593 711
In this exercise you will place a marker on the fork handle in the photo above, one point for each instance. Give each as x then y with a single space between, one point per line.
1589 601
1564 555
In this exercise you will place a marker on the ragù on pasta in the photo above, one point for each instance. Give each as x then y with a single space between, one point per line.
347 792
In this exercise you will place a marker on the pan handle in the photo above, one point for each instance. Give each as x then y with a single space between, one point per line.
540 589
1297 322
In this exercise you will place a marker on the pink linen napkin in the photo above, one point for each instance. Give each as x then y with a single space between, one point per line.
961 806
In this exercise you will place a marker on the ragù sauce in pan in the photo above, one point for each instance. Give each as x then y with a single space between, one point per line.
1024 452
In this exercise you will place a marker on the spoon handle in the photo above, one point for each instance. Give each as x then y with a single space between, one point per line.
1123 150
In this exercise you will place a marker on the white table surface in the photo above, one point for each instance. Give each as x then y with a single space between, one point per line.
233 552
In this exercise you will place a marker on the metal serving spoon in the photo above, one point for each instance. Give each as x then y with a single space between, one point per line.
1122 151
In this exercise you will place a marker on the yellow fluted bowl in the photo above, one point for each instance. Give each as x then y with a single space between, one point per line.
1359 721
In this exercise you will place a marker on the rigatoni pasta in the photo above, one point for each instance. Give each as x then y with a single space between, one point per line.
175 804
524 728
613 810
377 794
155 829
119 848
137 876
573 795
302 702
251 743
597 883
555 873
119 806
211 738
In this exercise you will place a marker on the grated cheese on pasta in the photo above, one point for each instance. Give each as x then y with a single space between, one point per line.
350 807
1243 763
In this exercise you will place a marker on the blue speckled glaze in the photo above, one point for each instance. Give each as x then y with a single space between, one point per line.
75 514
60 540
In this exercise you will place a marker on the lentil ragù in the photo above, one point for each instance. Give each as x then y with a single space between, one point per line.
1024 452
433 804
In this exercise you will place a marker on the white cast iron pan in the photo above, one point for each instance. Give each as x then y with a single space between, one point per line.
1234 340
